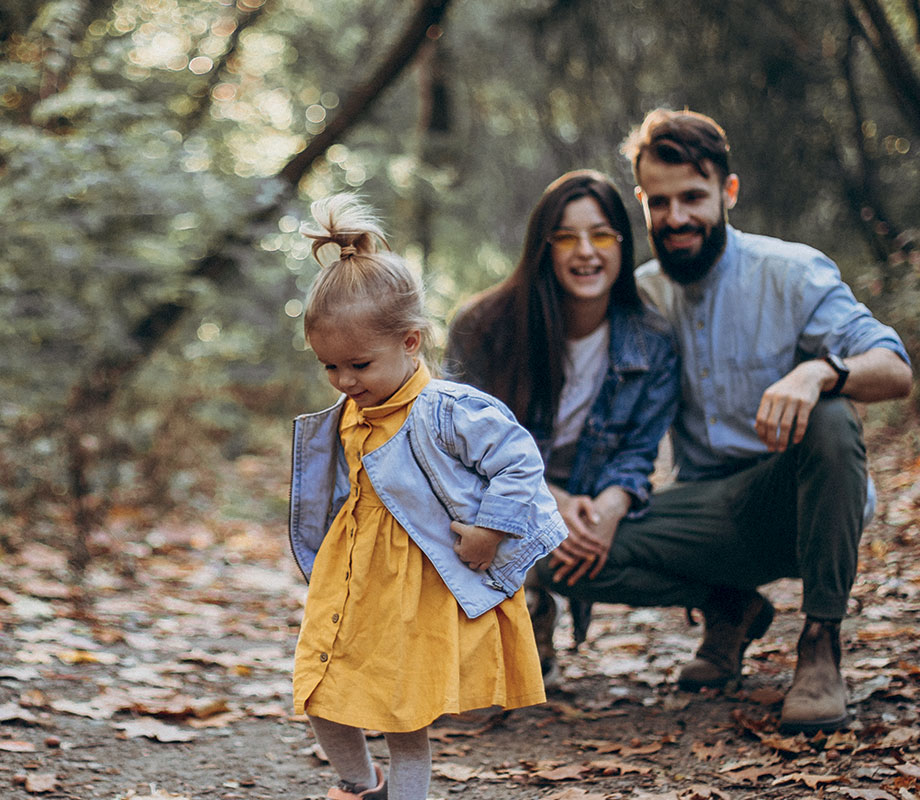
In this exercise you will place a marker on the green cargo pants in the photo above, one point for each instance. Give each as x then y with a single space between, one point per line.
795 514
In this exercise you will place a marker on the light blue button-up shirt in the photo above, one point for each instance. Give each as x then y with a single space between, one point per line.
764 307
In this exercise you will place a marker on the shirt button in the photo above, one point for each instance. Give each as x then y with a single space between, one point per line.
712 420
335 617
324 657
700 324
704 373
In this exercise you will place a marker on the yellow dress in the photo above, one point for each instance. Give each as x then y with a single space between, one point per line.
383 643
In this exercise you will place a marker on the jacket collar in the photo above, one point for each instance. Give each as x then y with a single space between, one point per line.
628 343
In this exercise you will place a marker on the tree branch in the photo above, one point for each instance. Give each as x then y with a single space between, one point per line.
893 62
60 37
360 99
222 262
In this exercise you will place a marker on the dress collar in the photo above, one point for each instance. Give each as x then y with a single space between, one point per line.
403 396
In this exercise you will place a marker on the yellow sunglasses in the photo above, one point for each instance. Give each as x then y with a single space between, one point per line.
599 239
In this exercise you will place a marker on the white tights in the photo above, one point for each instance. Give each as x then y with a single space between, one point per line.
410 758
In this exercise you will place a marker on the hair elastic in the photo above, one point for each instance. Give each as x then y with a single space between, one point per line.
347 251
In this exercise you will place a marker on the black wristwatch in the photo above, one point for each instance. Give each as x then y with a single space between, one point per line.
843 373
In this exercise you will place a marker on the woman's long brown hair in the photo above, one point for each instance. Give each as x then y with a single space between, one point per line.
519 323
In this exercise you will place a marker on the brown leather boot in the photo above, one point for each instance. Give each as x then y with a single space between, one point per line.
733 619
542 608
817 700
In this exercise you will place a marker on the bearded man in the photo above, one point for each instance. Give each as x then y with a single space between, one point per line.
772 479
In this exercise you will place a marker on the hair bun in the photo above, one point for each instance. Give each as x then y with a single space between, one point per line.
346 221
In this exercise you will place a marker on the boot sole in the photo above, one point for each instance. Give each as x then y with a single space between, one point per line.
730 683
811 727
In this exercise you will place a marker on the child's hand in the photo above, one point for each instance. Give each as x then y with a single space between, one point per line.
476 546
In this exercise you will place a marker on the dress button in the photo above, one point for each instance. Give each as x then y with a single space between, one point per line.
324 657
335 617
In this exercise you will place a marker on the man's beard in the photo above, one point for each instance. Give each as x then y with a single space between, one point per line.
684 267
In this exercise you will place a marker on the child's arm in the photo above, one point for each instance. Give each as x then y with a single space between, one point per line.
475 545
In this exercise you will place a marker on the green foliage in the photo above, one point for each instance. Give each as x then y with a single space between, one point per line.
158 140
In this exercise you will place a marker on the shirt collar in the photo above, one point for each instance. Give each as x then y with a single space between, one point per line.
404 395
694 292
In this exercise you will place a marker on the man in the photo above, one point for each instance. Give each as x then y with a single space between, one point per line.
772 477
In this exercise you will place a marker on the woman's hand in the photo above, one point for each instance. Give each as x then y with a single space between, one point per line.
592 526
476 546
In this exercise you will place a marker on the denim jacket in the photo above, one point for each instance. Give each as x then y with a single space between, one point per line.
634 408
460 455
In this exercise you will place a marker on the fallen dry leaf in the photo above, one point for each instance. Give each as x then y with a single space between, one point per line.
787 744
459 773
865 794
614 766
599 745
86 657
154 729
155 794
644 750
708 752
573 793
17 747
41 782
751 774
180 706
908 769
13 711
841 740
569 772
766 696
811 780
701 792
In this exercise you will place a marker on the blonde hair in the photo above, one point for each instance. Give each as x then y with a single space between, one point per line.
365 274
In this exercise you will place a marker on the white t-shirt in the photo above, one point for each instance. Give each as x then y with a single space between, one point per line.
584 368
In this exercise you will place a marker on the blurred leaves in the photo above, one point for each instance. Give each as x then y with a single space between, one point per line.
143 222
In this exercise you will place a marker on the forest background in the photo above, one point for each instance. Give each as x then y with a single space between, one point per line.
157 158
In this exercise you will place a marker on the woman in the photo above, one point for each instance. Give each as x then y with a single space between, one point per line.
591 372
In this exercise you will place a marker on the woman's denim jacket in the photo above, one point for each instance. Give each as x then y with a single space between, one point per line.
633 410
460 455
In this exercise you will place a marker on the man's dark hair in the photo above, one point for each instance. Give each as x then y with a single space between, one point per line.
679 137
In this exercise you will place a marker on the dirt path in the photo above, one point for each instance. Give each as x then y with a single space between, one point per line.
168 677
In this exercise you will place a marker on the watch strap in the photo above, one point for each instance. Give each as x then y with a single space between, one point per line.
836 364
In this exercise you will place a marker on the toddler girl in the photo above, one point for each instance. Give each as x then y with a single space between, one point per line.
417 507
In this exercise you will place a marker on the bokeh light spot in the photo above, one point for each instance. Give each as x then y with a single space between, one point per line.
316 113
201 65
208 332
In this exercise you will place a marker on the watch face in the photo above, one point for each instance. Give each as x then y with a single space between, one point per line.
837 363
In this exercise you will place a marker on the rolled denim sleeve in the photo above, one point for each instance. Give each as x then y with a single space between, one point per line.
633 461
486 438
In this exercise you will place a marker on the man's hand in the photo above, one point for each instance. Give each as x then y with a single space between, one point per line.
786 405
475 546
592 524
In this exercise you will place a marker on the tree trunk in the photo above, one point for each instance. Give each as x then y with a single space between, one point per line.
102 380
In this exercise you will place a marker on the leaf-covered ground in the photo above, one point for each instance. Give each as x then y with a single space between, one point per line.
167 676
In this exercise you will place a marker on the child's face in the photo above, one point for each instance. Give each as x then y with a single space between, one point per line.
368 368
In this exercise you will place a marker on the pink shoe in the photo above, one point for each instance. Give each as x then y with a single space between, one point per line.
350 791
